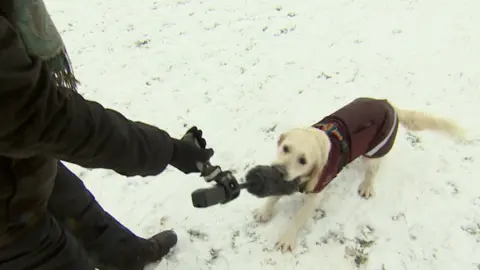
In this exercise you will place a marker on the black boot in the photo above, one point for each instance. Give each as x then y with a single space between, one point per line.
109 244
112 246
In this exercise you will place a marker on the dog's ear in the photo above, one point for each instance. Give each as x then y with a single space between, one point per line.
323 150
281 138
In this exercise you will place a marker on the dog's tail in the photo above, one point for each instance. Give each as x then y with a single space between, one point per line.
416 120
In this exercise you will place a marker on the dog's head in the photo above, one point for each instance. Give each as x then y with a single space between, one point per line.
302 152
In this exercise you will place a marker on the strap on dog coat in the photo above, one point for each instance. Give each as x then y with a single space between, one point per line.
337 157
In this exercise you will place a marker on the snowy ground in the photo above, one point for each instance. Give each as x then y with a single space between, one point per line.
244 71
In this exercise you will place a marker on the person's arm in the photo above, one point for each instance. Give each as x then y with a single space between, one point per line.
38 118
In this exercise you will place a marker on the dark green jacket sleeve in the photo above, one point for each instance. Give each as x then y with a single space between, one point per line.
39 118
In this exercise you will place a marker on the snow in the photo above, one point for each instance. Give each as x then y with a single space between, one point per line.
244 71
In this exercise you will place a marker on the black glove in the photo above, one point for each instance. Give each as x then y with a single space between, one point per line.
186 154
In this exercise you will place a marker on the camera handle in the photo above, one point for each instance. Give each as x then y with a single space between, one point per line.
226 189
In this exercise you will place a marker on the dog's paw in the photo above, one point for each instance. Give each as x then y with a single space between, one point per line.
366 189
262 215
287 242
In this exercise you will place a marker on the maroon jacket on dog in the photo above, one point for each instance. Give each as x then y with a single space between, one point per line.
365 127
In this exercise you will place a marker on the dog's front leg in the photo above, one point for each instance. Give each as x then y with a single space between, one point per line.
366 189
265 213
288 240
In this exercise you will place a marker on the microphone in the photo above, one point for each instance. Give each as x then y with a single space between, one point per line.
263 181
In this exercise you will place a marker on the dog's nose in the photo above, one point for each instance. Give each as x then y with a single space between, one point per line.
282 170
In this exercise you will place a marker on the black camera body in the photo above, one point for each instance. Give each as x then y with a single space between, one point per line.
226 189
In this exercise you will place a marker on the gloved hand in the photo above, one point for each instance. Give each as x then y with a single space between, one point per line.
186 153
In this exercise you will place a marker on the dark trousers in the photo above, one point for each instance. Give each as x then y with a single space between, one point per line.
46 246
75 234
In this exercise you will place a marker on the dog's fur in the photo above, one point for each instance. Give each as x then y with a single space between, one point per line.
313 145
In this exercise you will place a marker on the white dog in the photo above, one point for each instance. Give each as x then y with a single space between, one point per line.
364 128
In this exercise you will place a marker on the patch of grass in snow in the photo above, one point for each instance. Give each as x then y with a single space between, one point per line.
398 216
364 243
453 188
333 236
414 140
472 230
270 129
251 232
359 247
303 247
233 243
359 251
196 234
325 76
319 214
270 261
284 31
214 254
142 43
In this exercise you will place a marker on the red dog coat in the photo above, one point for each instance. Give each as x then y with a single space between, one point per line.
365 127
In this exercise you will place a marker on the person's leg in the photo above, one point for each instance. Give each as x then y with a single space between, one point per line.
110 244
43 246
30 237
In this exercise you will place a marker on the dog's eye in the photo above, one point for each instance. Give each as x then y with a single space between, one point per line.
302 161
286 149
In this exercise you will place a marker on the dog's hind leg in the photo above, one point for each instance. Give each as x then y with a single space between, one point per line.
265 213
366 189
